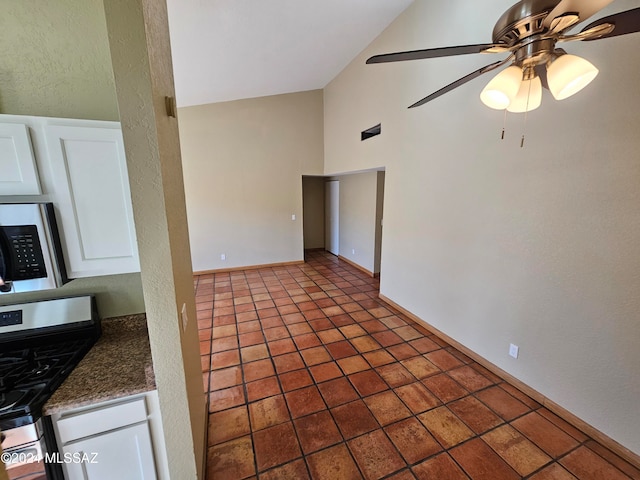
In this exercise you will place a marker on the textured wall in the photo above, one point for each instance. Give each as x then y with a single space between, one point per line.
55 60
141 56
243 166
358 218
493 243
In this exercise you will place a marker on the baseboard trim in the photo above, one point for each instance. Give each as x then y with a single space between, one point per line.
249 267
562 412
355 265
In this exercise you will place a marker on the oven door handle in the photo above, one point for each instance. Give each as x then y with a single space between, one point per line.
22 455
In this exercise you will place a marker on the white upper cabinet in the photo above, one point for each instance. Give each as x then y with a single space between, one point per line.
88 169
18 172
79 166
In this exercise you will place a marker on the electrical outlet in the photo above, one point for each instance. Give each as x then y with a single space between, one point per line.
353 251
293 217
223 256
514 350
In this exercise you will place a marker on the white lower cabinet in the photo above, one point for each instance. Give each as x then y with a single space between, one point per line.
120 439
124 453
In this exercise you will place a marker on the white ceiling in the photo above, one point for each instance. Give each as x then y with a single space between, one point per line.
231 49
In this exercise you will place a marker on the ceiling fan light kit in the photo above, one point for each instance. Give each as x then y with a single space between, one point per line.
568 74
529 96
529 32
500 92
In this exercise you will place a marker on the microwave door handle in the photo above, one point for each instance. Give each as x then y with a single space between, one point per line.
5 284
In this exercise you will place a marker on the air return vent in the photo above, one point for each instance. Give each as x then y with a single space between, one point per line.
370 132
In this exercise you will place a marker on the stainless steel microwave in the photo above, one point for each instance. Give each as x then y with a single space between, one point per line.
30 250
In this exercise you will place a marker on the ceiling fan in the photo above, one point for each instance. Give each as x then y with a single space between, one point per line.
529 32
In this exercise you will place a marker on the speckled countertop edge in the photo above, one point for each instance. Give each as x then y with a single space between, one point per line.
118 365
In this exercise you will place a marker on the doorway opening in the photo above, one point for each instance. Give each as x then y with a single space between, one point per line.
342 215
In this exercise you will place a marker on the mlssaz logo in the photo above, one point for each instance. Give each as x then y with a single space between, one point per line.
71 457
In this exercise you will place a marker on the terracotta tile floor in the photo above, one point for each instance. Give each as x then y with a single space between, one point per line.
312 376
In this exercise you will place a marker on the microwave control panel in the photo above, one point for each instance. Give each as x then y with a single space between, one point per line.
24 252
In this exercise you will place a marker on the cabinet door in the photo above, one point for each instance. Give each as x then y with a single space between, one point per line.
17 162
121 454
89 171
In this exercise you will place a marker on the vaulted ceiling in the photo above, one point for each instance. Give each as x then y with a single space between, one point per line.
231 49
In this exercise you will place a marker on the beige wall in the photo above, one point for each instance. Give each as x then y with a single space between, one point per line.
358 194
141 56
491 243
55 62
243 162
377 254
313 211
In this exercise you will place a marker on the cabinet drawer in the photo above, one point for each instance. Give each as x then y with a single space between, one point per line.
101 419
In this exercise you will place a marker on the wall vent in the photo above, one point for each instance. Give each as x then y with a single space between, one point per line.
370 132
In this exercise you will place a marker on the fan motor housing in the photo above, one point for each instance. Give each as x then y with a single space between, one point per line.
534 51
522 20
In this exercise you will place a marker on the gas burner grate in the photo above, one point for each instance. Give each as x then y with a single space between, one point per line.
9 400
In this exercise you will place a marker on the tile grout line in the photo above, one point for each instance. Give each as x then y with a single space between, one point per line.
277 376
315 385
302 276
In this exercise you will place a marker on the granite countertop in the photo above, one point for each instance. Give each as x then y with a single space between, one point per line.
118 365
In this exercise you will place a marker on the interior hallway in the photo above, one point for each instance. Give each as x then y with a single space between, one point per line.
312 376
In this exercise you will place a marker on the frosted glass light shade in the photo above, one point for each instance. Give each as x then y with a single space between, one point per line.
568 74
529 96
503 88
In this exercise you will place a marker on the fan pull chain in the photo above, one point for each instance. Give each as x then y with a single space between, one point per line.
526 111
504 124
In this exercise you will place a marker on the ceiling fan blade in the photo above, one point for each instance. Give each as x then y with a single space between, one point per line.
598 31
563 22
584 8
624 22
459 82
436 52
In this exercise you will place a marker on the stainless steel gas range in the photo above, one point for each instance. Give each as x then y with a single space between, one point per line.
40 344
